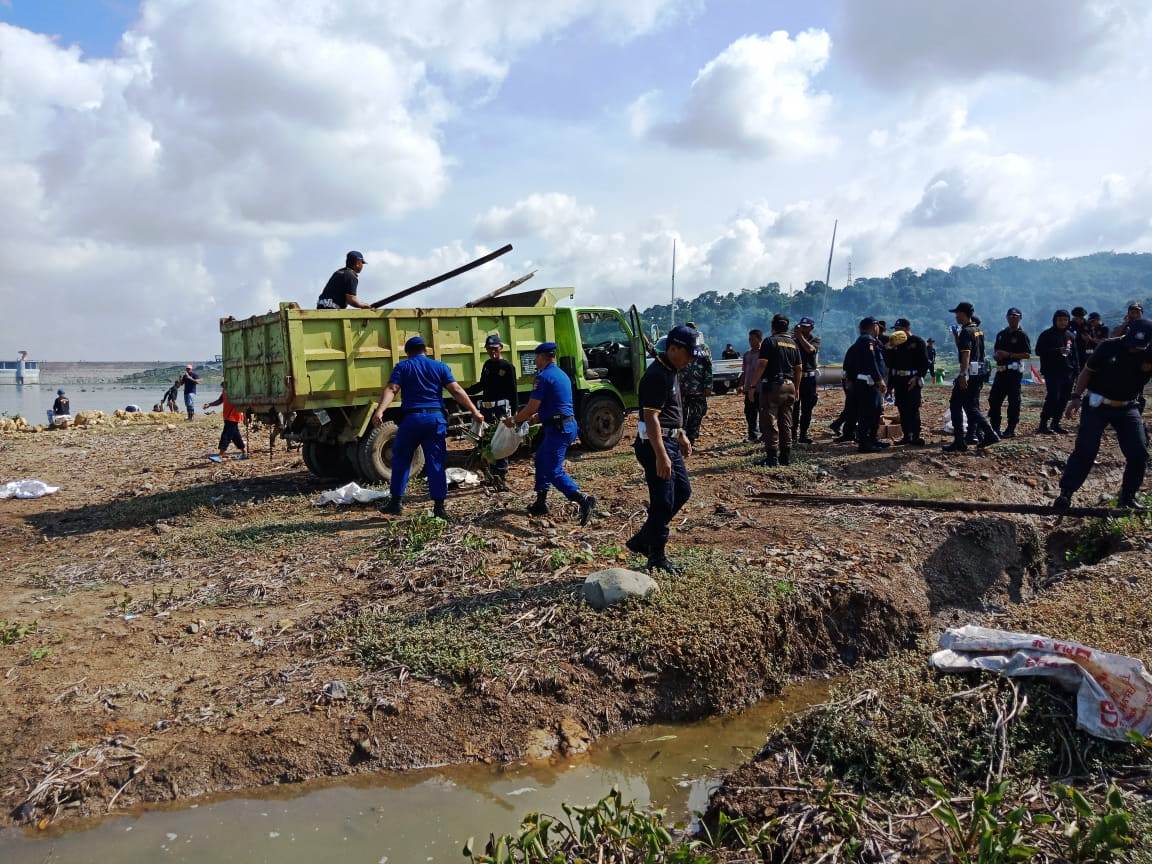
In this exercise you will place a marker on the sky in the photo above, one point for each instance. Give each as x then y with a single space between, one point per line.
167 163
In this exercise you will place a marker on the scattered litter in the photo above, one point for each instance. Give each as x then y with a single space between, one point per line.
1113 692
352 493
336 690
460 477
524 791
661 738
505 441
27 489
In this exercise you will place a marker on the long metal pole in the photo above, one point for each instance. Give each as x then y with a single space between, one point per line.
828 273
443 277
796 499
672 309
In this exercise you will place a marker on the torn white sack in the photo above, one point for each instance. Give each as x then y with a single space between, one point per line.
1113 692
352 493
27 489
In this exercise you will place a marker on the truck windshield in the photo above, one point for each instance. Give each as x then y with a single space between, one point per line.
601 328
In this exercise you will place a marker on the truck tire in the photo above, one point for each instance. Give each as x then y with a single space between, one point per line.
324 460
376 454
719 387
601 422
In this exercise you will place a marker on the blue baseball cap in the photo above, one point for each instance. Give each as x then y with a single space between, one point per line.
684 336
354 256
1138 333
546 348
60 392
1014 311
805 322
867 323
413 343
493 341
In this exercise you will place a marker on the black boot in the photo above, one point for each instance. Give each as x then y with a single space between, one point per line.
1127 501
957 446
636 545
539 507
659 560
1063 501
1043 428
1057 429
989 438
1010 432
771 458
394 507
785 456
587 508
439 510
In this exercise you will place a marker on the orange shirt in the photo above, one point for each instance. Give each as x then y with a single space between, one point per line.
231 413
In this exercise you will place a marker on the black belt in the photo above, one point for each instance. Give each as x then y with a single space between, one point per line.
423 410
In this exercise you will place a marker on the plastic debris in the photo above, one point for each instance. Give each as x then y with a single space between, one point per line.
1113 692
352 493
460 477
27 489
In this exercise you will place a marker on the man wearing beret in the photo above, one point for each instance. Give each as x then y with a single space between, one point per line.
422 380
551 399
662 445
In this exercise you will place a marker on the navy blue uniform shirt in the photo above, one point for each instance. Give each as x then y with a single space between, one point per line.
866 357
421 380
554 391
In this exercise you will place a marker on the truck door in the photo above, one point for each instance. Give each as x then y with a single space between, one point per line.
642 349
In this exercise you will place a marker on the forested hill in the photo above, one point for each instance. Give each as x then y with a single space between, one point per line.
1104 283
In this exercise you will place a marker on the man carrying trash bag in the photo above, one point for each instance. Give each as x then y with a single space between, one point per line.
497 391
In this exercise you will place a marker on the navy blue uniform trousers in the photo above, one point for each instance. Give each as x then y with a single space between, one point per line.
665 497
428 431
550 455
1130 435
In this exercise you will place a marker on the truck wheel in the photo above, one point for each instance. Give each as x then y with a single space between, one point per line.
324 460
601 422
376 454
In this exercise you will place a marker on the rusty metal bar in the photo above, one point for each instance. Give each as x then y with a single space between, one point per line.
803 500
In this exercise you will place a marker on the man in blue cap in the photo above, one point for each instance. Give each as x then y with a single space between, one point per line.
551 399
662 445
340 292
422 380
498 396
867 373
1107 393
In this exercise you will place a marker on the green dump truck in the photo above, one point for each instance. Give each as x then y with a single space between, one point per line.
316 375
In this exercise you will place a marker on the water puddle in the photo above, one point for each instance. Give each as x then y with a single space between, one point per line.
424 815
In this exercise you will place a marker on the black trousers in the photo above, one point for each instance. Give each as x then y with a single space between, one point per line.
1006 385
1129 434
847 418
869 405
806 401
908 401
695 407
665 497
1058 390
231 435
752 416
966 403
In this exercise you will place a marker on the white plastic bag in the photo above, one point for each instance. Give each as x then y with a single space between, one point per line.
460 477
352 493
947 428
27 489
506 440
1113 692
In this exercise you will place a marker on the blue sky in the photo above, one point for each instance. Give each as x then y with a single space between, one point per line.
175 161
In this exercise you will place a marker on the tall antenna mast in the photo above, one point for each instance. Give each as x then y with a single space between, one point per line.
848 283
828 274
672 308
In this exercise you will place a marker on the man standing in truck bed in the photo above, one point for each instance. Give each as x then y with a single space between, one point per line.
340 292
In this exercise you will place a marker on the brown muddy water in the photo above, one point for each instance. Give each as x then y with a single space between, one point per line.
422 815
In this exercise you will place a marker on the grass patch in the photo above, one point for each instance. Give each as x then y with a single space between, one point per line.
1099 538
412 536
12 632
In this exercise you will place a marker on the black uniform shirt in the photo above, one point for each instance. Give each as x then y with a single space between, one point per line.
971 338
866 357
497 381
783 357
1118 373
1057 351
809 358
660 390
1014 342
910 356
343 281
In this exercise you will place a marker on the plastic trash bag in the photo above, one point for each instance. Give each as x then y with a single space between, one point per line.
351 493
460 477
27 489
947 428
505 441
1113 692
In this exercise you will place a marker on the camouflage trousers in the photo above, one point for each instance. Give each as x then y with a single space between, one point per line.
695 407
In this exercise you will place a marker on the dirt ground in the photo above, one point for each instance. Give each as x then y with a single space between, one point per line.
170 627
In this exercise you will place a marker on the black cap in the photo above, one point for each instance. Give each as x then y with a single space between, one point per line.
1132 306
1014 311
867 323
1079 311
684 336
353 256
1138 334
902 322
1094 316
966 308
493 341
1060 313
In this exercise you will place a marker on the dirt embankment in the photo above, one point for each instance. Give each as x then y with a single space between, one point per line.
172 628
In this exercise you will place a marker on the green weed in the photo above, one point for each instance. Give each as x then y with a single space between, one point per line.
12 632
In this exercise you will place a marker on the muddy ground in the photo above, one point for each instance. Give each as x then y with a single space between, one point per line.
170 627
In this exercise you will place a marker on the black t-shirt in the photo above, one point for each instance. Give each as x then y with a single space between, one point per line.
910 356
1057 351
497 381
660 390
783 357
340 283
62 406
1118 373
808 359
1014 342
971 338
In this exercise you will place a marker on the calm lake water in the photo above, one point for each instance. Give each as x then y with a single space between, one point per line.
425 815
32 401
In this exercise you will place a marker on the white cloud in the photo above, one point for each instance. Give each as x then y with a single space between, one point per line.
754 99
917 44
1117 217
551 216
